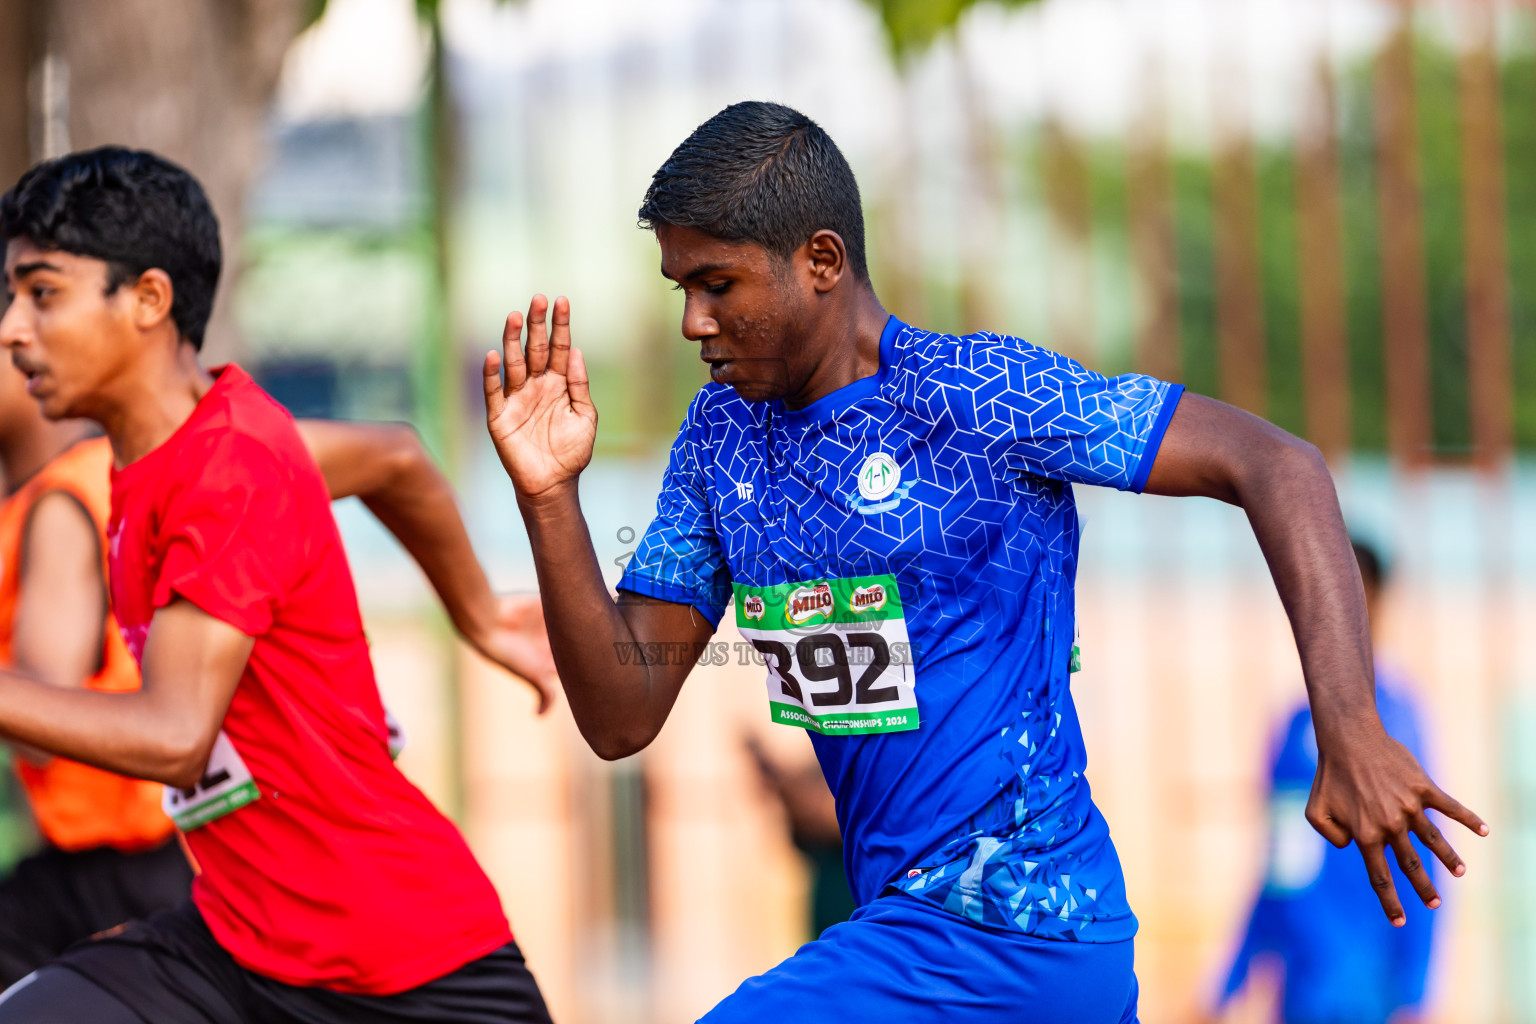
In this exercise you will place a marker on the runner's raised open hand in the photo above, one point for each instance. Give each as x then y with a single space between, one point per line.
542 420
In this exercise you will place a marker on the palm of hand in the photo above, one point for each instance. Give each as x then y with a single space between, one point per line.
541 418
542 437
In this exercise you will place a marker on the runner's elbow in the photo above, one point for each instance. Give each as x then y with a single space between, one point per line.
1286 463
180 759
617 744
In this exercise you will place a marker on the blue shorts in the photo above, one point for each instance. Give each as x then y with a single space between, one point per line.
900 960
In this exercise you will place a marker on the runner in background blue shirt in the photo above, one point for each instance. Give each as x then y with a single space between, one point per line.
1342 964
886 514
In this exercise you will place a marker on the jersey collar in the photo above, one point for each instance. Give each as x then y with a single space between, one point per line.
829 405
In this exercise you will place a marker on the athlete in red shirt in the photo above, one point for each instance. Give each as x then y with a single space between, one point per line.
109 853
331 889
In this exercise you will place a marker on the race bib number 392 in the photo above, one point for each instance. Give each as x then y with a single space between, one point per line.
837 652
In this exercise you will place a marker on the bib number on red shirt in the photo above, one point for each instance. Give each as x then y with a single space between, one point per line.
226 786
837 652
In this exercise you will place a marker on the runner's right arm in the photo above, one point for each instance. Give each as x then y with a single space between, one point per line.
543 424
386 466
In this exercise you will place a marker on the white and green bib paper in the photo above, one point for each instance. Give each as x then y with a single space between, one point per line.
226 786
839 660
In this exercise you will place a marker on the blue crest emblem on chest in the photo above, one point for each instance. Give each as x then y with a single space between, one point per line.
880 486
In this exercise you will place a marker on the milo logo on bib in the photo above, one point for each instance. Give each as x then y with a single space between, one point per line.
837 653
807 603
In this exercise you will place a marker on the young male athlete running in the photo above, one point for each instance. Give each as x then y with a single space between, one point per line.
330 888
109 851
893 510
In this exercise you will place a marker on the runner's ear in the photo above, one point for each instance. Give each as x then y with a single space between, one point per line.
826 258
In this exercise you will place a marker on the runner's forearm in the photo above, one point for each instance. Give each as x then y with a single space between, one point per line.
134 734
618 703
386 466
1293 508
417 505
1283 484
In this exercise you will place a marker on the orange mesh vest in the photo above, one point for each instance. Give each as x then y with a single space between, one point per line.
78 807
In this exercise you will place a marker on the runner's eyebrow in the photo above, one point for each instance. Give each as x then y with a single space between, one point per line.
699 271
23 269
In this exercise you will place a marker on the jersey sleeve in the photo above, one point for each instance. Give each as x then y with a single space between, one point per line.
1046 415
680 558
230 538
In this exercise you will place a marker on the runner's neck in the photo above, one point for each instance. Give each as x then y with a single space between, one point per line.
153 403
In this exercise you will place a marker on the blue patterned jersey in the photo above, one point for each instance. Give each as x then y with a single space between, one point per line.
947 474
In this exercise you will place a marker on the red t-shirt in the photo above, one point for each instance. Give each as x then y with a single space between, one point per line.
340 874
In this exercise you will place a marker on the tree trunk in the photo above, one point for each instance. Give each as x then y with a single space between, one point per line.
20 51
1239 277
1154 239
981 202
1069 199
189 79
1482 176
1320 271
1405 310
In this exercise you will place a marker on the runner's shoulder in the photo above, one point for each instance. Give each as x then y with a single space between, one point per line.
929 358
717 407
253 439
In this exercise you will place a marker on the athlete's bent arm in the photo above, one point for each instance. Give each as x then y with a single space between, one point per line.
386 466
61 602
543 424
1368 787
165 730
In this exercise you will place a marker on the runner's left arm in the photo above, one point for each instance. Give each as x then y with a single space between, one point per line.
61 603
1368 788
387 467
165 730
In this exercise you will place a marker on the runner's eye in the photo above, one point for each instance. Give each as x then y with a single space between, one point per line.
717 289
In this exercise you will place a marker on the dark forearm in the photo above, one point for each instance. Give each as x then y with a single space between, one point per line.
1368 788
132 734
1291 503
1284 486
618 698
416 504
388 469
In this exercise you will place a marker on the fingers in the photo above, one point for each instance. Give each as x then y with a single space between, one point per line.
1446 804
544 688
538 335
495 400
578 386
1436 843
1381 880
1417 871
1327 827
560 336
512 353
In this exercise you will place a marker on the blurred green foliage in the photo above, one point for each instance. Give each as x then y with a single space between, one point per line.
912 25
1439 148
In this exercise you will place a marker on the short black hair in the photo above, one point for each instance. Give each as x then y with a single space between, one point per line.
132 209
764 173
1374 570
